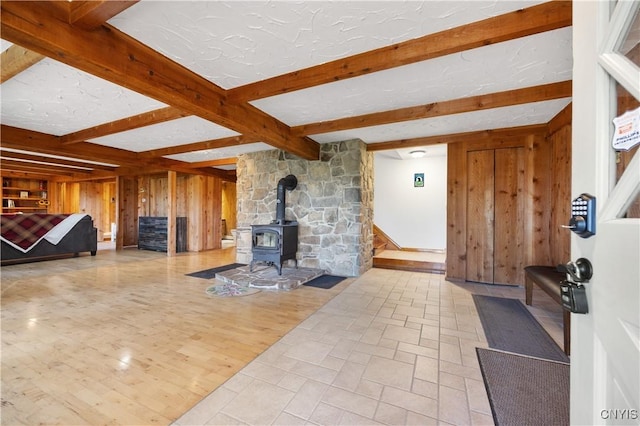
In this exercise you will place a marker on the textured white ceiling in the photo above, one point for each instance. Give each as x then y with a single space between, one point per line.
495 68
219 153
239 42
54 98
170 133
520 115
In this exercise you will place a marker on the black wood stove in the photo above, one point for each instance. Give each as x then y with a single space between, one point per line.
278 241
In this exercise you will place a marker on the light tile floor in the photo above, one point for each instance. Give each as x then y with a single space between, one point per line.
394 347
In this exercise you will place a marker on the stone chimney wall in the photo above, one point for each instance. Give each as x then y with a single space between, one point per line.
333 204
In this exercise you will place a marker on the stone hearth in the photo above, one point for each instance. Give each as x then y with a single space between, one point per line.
332 204
267 278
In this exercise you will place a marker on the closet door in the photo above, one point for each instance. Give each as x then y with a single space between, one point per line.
495 216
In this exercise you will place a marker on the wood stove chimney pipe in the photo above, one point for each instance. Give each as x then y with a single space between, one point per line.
286 183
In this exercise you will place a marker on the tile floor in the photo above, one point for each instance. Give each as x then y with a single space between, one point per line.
394 347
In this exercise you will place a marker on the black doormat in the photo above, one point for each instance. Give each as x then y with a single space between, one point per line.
509 326
211 273
324 281
524 390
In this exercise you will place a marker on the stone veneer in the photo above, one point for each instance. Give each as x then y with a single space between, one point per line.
333 204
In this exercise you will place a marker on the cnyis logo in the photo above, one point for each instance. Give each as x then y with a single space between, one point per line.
619 414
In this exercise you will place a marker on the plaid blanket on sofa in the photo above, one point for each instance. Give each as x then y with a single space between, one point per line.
24 230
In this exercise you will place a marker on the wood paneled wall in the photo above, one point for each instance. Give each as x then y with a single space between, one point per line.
523 216
127 206
198 198
202 207
98 200
95 198
560 196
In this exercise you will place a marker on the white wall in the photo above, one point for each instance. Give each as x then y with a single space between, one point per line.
411 216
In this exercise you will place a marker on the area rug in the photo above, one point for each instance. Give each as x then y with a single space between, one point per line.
509 326
524 390
211 273
325 281
230 290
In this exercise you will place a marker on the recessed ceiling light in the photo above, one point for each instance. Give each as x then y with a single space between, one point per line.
419 153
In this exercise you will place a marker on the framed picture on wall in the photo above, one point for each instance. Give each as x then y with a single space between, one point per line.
418 180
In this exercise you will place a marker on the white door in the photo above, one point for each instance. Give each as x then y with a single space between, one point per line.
605 343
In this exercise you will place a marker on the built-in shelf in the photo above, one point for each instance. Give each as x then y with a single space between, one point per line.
19 194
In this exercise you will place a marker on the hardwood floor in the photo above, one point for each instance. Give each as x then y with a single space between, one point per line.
127 338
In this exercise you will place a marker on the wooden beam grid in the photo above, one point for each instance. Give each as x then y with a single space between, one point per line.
127 62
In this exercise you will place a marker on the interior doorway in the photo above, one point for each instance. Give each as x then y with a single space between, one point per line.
229 210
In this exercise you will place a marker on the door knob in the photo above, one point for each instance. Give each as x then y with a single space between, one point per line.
580 271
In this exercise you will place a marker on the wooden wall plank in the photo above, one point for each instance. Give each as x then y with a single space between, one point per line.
128 211
71 202
480 216
55 196
456 212
560 197
172 211
509 216
196 197
91 196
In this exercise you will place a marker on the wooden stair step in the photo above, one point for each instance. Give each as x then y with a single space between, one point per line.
409 265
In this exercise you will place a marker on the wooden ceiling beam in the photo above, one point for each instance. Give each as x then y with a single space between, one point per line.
533 20
481 135
10 155
130 163
25 166
27 175
89 15
200 146
16 59
214 163
456 106
128 123
114 56
226 175
27 140
182 167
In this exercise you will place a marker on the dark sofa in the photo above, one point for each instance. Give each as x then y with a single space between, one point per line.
83 237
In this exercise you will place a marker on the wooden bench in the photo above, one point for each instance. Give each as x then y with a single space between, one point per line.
548 279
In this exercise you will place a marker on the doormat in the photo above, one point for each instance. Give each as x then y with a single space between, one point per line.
324 281
230 290
524 390
509 326
211 273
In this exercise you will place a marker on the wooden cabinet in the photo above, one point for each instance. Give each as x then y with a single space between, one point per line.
24 195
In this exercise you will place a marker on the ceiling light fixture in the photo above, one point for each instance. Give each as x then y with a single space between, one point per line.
418 153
